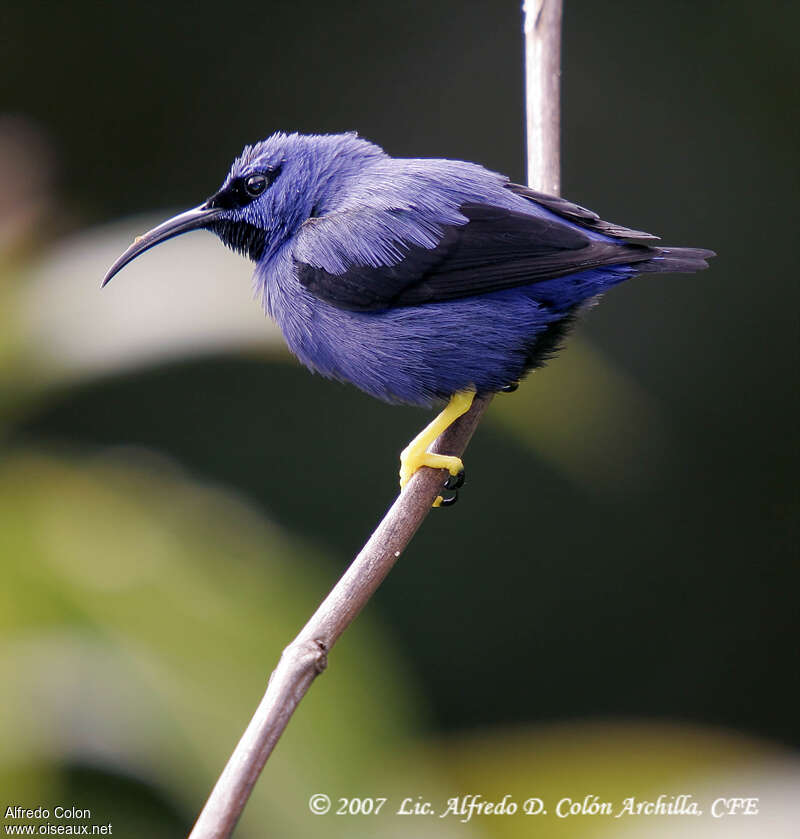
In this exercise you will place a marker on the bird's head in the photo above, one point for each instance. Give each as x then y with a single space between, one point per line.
271 189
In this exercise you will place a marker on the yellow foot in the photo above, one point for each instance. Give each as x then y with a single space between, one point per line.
416 453
410 461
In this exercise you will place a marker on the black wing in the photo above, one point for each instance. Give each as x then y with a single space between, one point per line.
580 215
497 249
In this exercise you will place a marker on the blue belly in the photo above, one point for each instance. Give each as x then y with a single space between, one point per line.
423 354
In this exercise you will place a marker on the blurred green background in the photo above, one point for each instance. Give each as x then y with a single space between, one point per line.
615 616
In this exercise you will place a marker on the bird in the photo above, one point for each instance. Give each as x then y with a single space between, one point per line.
422 281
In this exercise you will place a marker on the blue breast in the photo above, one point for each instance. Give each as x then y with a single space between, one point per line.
422 354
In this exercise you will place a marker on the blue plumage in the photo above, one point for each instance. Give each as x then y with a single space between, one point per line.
413 279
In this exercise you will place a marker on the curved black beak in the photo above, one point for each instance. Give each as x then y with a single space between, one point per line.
194 219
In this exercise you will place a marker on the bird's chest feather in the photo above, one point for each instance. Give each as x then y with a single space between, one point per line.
385 354
331 341
413 354
288 303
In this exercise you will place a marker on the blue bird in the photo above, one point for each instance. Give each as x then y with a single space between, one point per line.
418 280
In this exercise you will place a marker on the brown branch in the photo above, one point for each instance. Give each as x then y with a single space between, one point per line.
543 93
306 656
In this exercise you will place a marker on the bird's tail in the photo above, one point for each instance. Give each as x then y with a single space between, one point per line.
679 260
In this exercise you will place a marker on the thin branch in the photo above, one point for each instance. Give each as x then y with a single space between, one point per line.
306 656
543 93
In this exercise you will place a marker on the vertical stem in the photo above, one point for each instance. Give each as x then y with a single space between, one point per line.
543 93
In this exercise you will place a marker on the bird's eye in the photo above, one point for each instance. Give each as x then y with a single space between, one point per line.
243 190
255 185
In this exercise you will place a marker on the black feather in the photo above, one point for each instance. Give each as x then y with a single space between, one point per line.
244 238
678 260
497 249
580 215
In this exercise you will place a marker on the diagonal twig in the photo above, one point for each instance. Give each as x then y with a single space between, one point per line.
306 656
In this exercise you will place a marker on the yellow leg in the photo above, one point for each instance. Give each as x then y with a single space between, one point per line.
416 453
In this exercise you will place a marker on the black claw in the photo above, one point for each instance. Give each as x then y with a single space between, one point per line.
448 502
455 481
510 388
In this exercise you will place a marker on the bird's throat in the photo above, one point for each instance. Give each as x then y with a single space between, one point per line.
244 238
